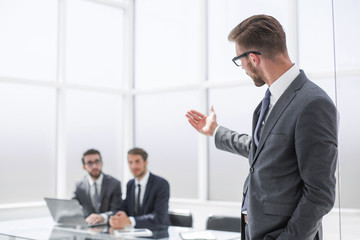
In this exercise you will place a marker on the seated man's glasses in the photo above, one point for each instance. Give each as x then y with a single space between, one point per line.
96 162
237 59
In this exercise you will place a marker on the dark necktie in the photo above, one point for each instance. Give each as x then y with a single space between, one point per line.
137 204
96 198
264 109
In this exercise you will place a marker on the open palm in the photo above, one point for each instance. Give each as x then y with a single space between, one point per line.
202 123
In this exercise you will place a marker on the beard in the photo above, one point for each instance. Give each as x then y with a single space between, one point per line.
141 174
254 74
95 175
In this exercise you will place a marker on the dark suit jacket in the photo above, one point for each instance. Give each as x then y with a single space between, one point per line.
291 181
154 210
110 196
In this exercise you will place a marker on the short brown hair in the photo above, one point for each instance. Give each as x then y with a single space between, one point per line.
138 151
90 152
261 33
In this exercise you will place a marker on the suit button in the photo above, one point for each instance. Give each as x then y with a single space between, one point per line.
251 170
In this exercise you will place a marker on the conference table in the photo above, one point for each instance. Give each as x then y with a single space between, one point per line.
44 228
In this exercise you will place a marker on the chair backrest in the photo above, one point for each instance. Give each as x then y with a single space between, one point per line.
181 218
224 223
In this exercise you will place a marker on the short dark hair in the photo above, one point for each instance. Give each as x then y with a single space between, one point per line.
261 33
89 152
138 151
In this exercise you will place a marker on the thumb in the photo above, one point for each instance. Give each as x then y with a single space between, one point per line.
212 109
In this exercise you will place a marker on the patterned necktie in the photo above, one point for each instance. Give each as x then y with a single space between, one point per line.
137 205
264 109
96 198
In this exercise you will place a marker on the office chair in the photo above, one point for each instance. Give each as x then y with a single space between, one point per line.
223 223
181 218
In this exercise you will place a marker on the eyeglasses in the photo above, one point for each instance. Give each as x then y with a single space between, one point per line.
96 162
237 60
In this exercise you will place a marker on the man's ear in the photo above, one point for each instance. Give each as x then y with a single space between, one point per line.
254 59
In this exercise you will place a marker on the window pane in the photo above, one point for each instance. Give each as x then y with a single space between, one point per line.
28 41
93 120
94 44
223 16
167 42
227 169
315 36
347 34
163 131
27 138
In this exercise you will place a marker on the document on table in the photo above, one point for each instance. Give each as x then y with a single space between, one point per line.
133 232
202 235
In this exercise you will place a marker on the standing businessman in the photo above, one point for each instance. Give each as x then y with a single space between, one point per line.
293 148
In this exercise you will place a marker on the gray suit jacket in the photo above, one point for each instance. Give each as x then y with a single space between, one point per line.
110 196
291 181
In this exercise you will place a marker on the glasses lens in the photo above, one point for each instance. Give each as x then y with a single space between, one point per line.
237 62
96 162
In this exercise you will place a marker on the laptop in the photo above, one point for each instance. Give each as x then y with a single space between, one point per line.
67 212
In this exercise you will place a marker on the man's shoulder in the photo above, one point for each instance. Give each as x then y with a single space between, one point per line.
131 181
110 178
309 90
82 182
158 179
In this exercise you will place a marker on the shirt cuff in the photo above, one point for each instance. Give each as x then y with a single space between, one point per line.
105 217
216 130
132 220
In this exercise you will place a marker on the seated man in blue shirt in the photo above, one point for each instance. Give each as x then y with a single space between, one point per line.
147 197
99 194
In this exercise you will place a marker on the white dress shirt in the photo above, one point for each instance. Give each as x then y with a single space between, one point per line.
143 182
98 183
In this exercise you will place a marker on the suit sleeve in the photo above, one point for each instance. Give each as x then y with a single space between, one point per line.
159 216
75 193
232 141
316 150
125 203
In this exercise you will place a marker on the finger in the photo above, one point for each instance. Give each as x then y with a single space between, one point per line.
194 125
195 117
188 116
196 113
212 109
193 122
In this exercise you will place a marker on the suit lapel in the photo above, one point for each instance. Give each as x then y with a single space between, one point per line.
278 110
103 189
87 193
255 119
147 192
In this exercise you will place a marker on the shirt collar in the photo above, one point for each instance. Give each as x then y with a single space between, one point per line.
98 180
144 180
283 82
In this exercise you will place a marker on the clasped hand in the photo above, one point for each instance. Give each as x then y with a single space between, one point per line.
120 220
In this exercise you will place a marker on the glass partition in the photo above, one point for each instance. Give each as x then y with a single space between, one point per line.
347 50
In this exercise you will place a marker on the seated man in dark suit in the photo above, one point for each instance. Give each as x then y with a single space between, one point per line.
99 194
147 197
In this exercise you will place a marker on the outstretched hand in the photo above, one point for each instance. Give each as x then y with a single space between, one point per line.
202 123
